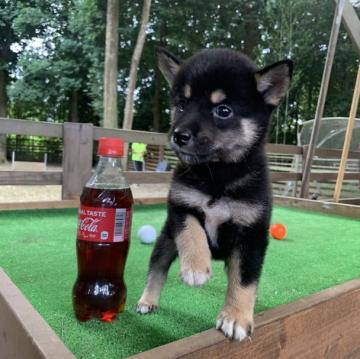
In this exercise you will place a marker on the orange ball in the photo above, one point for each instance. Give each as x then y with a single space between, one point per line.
278 231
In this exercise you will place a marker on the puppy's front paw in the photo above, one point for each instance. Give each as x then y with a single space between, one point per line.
143 307
195 277
235 324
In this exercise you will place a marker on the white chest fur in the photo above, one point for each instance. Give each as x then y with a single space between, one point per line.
219 211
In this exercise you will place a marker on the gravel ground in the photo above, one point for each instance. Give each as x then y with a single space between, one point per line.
11 194
29 193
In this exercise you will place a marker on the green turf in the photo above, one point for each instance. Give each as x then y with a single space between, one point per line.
37 251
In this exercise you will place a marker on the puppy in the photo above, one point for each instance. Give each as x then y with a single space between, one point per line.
219 203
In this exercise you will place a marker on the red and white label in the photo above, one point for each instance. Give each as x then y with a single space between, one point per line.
105 225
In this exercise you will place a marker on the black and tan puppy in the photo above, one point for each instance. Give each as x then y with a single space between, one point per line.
219 204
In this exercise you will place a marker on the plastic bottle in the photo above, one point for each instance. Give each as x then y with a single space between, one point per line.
103 237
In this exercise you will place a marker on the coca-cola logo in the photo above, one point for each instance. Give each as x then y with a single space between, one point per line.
89 224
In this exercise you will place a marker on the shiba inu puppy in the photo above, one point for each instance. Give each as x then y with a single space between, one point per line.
219 204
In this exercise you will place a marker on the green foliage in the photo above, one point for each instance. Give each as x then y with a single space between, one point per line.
70 58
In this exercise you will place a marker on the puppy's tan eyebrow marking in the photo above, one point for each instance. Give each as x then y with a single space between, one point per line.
217 96
187 91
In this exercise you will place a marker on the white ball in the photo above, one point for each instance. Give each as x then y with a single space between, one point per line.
147 234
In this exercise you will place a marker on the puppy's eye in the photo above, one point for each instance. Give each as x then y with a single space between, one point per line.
180 107
223 112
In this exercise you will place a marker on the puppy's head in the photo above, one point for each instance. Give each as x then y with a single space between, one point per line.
220 103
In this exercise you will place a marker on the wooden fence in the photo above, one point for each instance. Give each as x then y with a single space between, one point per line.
78 142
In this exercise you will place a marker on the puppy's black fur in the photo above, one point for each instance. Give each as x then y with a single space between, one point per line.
221 107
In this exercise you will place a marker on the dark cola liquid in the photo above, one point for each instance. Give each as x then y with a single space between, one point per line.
100 291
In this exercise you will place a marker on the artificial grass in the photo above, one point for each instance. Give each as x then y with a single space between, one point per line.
37 250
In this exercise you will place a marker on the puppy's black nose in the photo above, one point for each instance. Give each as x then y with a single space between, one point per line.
181 138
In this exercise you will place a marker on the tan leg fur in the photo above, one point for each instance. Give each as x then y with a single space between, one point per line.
194 253
149 300
236 318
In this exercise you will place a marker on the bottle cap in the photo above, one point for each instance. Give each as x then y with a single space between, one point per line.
111 147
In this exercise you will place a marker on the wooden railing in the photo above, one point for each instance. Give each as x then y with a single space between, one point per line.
78 142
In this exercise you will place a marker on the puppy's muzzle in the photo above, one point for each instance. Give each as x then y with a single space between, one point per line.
181 137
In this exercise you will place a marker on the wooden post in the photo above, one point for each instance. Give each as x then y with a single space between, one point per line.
322 98
77 158
347 141
352 24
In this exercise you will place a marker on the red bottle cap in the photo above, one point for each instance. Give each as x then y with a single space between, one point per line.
111 147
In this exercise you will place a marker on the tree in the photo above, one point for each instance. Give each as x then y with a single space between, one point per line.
129 105
52 80
111 65
20 21
63 80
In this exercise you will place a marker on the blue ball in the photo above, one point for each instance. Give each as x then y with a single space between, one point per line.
147 234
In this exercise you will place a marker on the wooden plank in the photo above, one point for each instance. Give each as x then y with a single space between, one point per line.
24 333
73 203
33 128
287 149
348 136
304 192
345 209
333 153
316 176
40 128
15 178
331 176
150 200
323 325
354 201
148 193
134 177
339 209
285 176
77 158
352 25
153 138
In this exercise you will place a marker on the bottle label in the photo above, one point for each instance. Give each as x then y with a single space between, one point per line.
105 225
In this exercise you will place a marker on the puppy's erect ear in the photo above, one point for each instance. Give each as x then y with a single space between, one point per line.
168 64
273 81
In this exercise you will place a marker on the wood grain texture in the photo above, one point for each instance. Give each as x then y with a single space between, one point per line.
154 138
339 209
79 175
316 176
288 149
353 201
147 177
348 136
323 325
352 25
23 332
304 191
14 178
33 128
333 153
77 158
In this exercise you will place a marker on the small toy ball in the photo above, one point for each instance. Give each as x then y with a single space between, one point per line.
147 234
278 231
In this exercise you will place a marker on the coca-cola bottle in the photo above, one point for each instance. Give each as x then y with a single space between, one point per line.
103 237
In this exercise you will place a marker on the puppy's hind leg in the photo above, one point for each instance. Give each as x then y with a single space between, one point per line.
243 271
194 253
236 318
162 256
